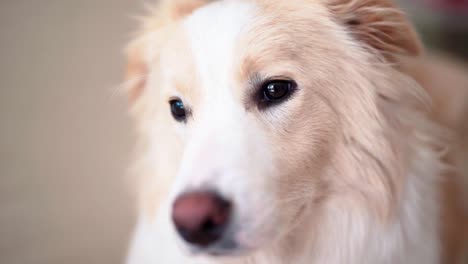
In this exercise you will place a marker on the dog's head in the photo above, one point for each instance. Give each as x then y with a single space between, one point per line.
258 114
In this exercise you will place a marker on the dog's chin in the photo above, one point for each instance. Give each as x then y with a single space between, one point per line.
240 245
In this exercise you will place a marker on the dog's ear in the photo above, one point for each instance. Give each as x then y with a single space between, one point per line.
137 69
152 33
379 24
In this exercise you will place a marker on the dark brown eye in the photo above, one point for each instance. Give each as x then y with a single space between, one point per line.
178 110
275 91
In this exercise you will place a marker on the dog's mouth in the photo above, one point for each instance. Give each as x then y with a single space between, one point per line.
235 242
224 248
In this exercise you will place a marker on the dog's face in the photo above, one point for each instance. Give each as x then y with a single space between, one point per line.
242 106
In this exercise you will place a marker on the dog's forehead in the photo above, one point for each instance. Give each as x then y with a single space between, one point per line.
227 34
227 44
213 33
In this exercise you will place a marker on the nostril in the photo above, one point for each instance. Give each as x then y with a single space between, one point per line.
201 217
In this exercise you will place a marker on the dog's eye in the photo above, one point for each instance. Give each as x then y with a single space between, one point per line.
178 110
276 91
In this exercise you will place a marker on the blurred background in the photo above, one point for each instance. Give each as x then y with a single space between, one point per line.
66 139
443 24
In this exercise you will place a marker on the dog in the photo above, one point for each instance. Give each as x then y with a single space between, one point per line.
301 131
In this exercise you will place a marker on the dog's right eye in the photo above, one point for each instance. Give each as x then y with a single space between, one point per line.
276 91
178 110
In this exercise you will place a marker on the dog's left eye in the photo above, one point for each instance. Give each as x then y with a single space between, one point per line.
275 91
178 110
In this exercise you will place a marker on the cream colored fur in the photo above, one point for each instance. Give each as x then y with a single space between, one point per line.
346 171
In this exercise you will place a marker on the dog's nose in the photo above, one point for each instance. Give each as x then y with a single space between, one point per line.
201 217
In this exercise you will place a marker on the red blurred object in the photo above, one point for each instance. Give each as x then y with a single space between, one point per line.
455 6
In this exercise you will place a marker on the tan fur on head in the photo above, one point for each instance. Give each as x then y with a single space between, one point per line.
379 24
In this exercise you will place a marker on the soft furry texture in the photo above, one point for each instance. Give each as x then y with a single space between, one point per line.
346 171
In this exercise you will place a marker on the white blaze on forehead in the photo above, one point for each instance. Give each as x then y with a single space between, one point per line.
219 142
213 33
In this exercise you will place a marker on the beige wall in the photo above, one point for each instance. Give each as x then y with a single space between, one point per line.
65 141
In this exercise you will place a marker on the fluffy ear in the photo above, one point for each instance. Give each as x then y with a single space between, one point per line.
379 24
152 33
137 70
